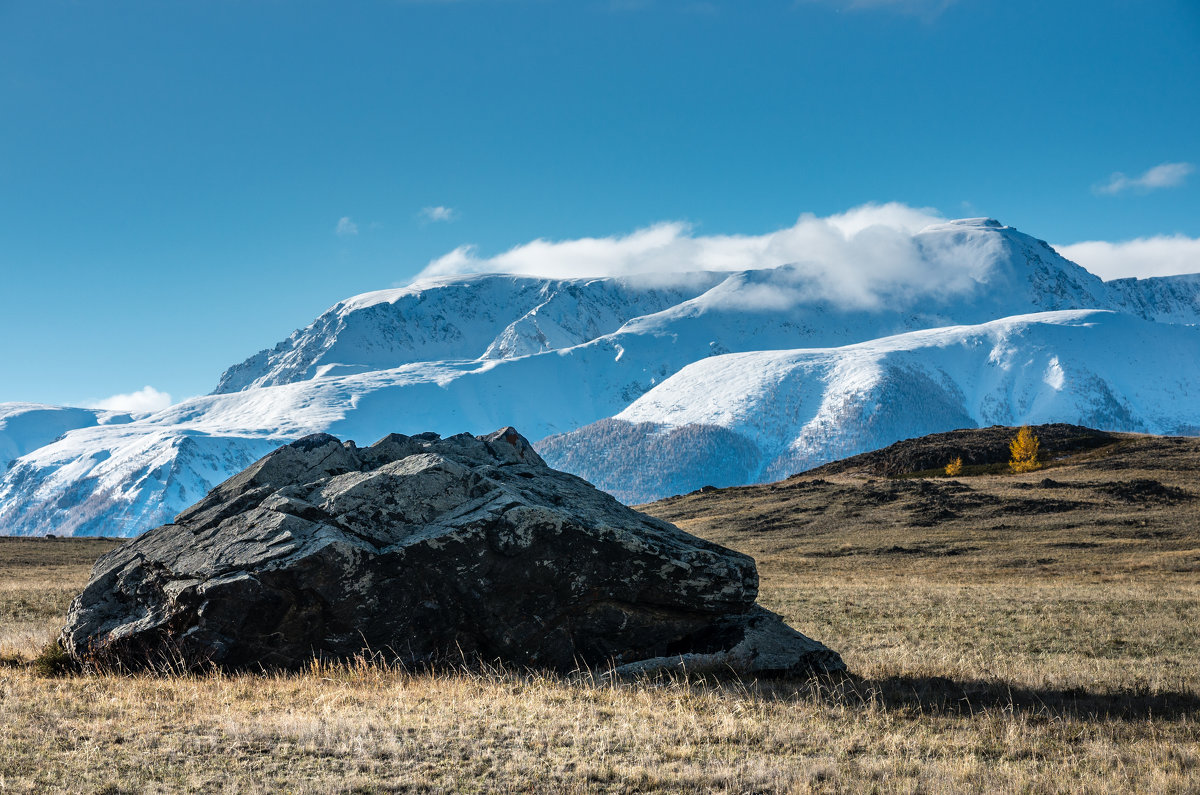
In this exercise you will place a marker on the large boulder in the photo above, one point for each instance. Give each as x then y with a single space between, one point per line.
426 550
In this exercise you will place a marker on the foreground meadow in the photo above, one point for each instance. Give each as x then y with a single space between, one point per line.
1002 647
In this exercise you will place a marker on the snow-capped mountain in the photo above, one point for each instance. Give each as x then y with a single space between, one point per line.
551 356
983 271
781 412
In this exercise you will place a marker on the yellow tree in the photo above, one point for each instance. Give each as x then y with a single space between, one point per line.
1024 449
954 467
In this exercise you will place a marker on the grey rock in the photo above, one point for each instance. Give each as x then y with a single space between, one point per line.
426 550
767 647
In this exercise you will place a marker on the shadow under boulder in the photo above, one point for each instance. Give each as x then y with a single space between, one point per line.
426 550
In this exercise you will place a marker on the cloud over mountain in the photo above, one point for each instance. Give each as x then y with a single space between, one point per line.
1162 255
851 258
871 230
146 399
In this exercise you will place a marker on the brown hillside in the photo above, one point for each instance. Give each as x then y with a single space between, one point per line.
976 447
1132 500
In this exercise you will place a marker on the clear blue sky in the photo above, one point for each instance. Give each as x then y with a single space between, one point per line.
172 174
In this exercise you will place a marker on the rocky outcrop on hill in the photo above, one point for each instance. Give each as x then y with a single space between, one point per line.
426 550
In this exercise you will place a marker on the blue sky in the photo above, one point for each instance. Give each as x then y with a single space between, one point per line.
184 183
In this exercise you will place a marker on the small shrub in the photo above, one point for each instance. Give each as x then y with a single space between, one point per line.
53 661
954 468
1024 449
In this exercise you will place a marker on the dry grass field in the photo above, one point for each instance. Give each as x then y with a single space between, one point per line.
1015 633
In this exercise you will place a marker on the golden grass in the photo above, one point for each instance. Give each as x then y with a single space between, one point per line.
38 579
367 728
1050 653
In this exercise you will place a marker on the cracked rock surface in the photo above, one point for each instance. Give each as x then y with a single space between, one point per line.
426 550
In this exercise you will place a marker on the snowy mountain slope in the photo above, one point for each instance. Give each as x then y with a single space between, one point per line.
801 408
465 318
115 480
118 481
988 270
24 427
551 356
970 271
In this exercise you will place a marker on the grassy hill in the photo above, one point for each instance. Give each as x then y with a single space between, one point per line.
1031 632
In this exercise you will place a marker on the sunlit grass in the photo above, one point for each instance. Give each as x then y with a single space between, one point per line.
367 727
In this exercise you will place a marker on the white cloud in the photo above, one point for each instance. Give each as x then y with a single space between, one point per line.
1165 255
346 227
1164 175
146 399
853 258
439 213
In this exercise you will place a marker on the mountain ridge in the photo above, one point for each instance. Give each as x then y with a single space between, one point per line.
552 356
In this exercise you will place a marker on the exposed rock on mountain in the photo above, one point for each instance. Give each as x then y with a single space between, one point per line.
1166 299
427 550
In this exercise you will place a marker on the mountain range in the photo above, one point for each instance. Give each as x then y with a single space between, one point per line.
653 384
